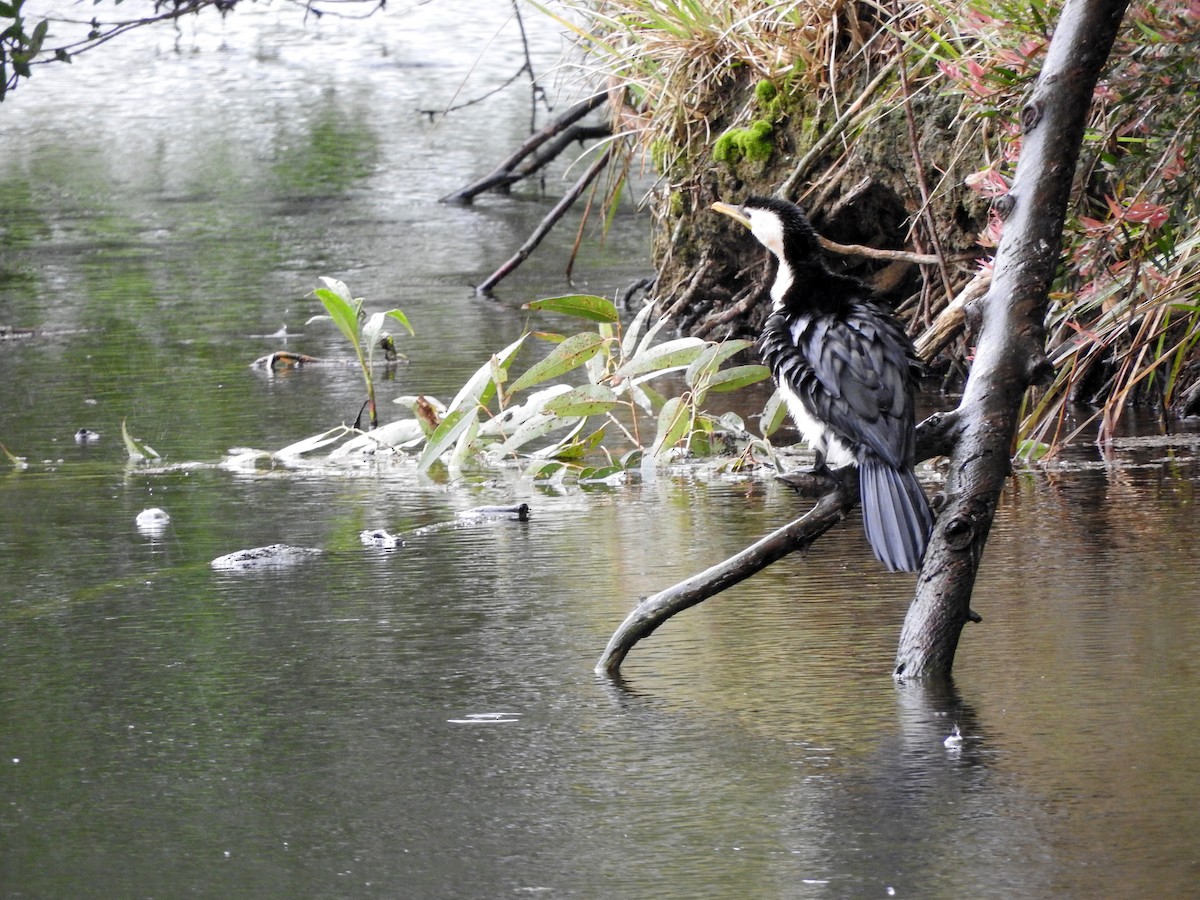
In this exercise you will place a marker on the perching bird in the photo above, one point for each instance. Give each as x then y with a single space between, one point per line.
846 371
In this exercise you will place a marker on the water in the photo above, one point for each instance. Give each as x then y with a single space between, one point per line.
425 722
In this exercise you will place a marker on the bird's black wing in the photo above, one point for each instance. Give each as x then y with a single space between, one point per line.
852 369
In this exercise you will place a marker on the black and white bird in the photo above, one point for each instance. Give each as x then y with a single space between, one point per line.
847 372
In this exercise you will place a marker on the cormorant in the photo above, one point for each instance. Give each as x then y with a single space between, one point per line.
846 370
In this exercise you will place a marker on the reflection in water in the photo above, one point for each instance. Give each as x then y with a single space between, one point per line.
425 721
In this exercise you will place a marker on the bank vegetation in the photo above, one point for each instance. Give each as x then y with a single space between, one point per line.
898 128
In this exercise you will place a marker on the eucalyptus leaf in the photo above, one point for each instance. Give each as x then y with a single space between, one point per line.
712 358
737 377
446 435
629 343
481 386
773 415
662 358
582 306
674 422
534 428
570 354
588 400
316 442
508 421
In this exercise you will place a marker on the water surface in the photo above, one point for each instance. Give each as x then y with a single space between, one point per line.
425 722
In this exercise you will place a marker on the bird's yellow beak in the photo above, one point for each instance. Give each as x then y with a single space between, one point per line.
734 212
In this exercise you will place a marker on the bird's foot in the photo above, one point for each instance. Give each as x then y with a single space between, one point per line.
813 482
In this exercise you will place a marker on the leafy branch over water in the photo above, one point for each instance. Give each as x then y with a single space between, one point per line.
585 410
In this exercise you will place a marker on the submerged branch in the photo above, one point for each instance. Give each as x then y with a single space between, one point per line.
796 535
935 436
530 157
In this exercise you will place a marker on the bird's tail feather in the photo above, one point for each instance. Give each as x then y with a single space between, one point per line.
896 515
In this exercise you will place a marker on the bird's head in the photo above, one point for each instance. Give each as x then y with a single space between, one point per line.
778 225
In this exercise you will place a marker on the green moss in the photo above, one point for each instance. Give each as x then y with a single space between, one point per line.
752 143
765 92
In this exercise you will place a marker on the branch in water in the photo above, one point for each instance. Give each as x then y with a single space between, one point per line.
935 437
516 166
797 535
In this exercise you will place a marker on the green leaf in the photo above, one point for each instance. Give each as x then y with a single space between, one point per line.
569 448
534 428
1032 450
712 358
589 400
674 422
737 377
601 474
662 358
343 312
570 354
137 449
543 469
481 386
629 343
446 435
39 35
400 317
582 306
466 442
514 416
773 414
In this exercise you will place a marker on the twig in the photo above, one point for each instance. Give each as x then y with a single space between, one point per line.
844 121
951 319
919 168
552 217
920 259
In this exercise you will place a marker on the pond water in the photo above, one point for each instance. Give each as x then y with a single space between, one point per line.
426 722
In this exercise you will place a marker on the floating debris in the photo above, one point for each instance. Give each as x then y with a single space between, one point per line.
517 513
274 556
86 436
492 718
380 538
955 739
152 522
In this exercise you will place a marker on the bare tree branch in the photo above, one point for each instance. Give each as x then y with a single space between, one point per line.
526 159
935 436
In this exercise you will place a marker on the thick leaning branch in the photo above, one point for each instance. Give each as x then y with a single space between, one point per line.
935 436
797 535
1010 353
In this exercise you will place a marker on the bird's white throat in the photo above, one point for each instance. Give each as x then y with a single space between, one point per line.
767 228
